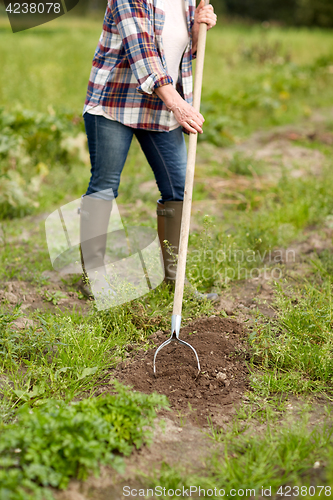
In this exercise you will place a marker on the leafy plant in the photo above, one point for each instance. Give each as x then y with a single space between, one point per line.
49 444
54 297
31 143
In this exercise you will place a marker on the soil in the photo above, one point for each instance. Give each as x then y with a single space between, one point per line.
215 391
42 298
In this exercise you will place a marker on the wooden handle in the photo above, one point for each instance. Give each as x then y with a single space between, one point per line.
191 155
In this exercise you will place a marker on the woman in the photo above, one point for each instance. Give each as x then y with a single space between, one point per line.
141 84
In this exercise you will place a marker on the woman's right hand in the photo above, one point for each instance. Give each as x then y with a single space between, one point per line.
188 117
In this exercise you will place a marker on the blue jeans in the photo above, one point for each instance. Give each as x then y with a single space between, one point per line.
109 142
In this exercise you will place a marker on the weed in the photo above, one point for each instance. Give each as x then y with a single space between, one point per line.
54 297
240 164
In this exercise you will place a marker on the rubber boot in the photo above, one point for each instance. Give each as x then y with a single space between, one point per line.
94 220
169 216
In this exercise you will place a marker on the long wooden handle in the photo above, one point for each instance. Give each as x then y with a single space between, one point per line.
191 155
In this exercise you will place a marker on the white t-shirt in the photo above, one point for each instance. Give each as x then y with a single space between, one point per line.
175 39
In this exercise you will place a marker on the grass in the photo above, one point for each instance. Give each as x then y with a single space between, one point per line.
295 349
258 83
274 461
240 244
265 77
243 52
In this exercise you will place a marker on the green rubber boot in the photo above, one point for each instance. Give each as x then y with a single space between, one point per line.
169 216
94 220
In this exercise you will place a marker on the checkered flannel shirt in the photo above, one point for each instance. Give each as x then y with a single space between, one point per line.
129 64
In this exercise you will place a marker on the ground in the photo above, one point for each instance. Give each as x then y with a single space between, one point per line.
215 398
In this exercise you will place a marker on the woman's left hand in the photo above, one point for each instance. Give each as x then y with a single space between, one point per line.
202 14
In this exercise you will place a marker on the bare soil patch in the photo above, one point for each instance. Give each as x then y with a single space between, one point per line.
50 296
222 350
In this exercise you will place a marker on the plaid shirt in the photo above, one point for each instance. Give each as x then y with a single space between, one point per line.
129 64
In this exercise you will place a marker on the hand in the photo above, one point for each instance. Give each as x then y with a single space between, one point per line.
185 114
190 119
204 14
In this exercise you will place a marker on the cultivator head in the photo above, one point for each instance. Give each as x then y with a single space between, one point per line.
175 328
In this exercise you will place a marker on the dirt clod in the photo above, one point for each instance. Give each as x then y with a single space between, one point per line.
21 323
10 297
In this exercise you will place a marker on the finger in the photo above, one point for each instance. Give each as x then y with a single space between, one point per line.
208 14
193 126
209 24
197 117
197 127
200 6
194 115
189 129
203 18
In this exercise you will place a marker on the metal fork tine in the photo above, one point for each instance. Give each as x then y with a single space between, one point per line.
159 348
175 328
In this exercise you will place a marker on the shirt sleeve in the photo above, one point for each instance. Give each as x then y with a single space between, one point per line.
136 30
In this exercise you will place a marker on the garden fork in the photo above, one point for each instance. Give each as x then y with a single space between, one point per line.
186 215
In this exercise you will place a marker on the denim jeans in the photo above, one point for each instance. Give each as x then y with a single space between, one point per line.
109 142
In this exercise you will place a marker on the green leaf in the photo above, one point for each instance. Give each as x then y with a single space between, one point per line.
24 395
87 371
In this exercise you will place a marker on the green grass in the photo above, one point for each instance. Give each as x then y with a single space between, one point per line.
243 53
274 459
236 247
282 455
47 83
257 83
66 354
295 349
264 77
